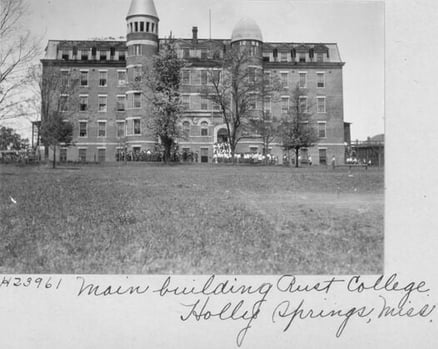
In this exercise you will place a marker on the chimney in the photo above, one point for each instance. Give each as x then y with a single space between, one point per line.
195 35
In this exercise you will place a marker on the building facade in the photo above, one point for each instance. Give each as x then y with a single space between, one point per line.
109 116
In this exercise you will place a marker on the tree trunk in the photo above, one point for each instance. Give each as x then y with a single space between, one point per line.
167 149
233 148
54 156
296 156
46 151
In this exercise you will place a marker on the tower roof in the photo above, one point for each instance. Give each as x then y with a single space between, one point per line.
246 29
141 8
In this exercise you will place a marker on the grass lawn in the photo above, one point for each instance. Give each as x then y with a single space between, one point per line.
191 219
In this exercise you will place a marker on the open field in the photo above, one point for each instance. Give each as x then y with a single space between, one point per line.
200 219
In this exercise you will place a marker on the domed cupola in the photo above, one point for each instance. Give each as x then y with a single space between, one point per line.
142 28
142 8
248 30
247 36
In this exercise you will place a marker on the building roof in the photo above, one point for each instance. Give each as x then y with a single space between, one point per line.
246 29
378 138
142 8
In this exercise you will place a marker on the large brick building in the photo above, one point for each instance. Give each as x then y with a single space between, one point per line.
111 116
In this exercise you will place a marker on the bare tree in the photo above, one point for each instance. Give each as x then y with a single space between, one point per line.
234 90
159 84
58 91
18 50
264 124
296 127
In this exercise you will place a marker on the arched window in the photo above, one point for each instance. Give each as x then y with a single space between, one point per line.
186 128
204 128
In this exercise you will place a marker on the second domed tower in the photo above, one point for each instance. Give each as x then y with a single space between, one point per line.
247 35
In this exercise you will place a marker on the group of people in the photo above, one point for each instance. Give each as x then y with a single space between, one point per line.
142 155
222 154
155 155
355 161
23 156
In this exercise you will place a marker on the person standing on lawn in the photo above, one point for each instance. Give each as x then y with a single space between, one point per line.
333 162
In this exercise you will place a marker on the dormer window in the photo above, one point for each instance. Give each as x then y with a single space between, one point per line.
204 128
283 56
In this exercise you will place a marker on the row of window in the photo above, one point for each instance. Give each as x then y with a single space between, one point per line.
301 57
130 127
198 102
92 54
204 128
302 79
191 77
322 129
204 77
143 27
303 104
132 100
199 77
202 53
82 155
101 153
254 49
84 79
103 77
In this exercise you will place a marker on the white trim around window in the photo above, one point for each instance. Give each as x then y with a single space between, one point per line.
324 109
324 129
123 123
101 79
103 110
323 79
306 107
86 128
305 79
98 128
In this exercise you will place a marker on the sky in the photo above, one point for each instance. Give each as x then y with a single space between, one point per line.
356 26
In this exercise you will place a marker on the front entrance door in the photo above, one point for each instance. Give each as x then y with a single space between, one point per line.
322 156
222 136
204 154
